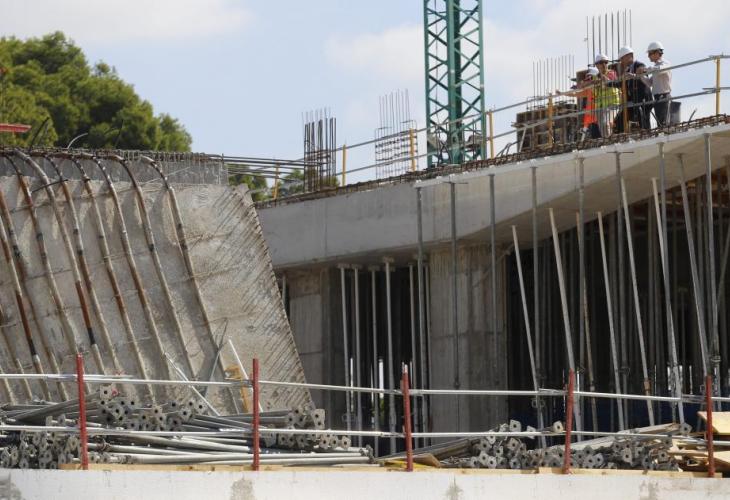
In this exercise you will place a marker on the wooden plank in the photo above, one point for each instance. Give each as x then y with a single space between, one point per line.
720 421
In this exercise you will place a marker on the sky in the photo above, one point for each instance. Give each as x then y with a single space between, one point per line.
240 73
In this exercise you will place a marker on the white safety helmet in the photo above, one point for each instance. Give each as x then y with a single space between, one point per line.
655 46
592 72
600 58
623 51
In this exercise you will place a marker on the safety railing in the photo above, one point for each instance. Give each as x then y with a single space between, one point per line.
492 144
405 393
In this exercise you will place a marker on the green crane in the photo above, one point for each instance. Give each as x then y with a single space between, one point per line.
455 110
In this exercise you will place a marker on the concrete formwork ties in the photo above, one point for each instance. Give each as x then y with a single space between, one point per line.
182 240
84 267
71 256
45 261
141 294
149 237
104 248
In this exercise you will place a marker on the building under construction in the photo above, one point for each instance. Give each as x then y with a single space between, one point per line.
541 308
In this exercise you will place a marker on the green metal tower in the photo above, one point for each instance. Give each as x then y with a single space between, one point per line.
454 81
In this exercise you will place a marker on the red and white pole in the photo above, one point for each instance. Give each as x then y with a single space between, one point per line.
84 438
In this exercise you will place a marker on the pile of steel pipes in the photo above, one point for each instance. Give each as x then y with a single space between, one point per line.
620 451
122 431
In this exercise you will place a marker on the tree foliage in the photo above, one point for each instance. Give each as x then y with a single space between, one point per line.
50 78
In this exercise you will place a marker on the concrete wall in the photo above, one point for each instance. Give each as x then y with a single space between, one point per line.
239 299
321 485
482 356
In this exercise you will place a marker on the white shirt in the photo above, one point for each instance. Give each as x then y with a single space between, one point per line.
661 83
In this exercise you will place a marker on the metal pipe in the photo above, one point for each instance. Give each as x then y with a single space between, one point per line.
564 303
528 335
716 358
376 360
493 267
637 305
699 307
609 309
454 301
414 368
358 379
662 224
389 368
345 341
421 311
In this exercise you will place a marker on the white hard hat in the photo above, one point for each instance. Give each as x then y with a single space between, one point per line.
599 58
625 51
655 46
592 72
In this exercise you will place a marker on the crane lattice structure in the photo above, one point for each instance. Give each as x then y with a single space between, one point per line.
455 108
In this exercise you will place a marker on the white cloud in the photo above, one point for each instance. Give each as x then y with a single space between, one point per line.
112 21
393 55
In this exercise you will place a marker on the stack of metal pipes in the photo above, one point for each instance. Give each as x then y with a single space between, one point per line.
123 431
505 451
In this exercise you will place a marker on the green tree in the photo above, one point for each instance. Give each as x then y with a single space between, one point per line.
256 184
49 77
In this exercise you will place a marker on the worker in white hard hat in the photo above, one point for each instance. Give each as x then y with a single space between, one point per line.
661 82
632 74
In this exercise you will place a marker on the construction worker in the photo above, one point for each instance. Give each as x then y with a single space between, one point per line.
583 91
606 96
638 96
661 83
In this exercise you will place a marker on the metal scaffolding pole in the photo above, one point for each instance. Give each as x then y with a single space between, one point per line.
637 305
421 312
376 361
566 317
389 368
611 329
662 223
358 359
454 302
346 350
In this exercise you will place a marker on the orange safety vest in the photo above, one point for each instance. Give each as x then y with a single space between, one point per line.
589 116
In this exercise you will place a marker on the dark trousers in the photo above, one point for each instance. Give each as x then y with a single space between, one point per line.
637 114
661 109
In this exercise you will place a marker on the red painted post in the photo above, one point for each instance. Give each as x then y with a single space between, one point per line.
708 431
84 438
407 419
568 423
256 449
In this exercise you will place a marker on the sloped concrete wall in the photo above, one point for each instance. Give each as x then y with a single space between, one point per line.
230 265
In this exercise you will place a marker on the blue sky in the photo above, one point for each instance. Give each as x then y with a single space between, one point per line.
239 74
